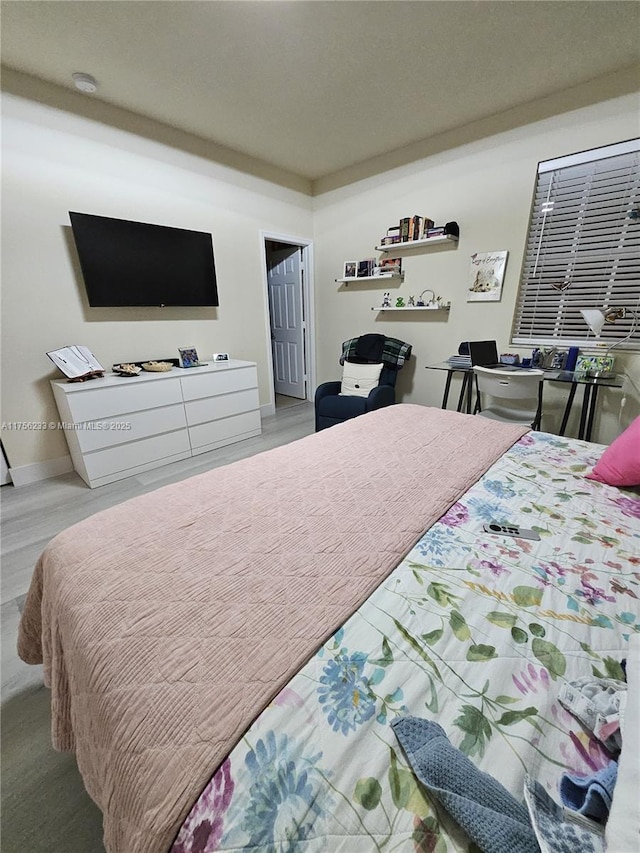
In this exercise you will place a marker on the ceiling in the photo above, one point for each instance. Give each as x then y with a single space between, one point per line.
314 87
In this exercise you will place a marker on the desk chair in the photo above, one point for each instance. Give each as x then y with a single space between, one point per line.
505 385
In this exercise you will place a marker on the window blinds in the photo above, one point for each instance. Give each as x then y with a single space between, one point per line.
583 248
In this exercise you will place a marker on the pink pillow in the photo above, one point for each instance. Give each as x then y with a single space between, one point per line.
619 465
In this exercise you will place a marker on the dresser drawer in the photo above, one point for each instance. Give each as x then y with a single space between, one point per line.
113 460
211 383
95 435
104 403
225 431
214 408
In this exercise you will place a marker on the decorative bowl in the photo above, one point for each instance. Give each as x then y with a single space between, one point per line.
127 369
157 366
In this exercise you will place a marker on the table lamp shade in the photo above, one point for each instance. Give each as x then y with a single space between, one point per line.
594 318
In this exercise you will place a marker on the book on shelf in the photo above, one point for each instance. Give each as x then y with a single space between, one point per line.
435 232
426 225
76 362
405 224
366 267
416 227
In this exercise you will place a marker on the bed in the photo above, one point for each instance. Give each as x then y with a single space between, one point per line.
226 655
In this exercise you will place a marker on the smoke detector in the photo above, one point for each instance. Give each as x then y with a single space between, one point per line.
84 82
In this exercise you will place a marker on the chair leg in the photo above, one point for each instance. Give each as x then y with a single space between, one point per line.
538 418
478 406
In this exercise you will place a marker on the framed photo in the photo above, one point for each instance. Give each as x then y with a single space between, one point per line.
391 266
366 267
486 275
350 269
188 357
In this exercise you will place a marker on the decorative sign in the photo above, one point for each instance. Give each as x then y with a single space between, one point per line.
486 276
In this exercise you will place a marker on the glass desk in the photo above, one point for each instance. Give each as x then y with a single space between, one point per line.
589 396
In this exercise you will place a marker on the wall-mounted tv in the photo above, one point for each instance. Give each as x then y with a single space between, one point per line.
128 263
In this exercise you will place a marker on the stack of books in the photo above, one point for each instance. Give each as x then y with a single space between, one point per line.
409 228
392 236
435 232
459 360
414 228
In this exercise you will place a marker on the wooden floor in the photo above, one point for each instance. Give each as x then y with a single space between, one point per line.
44 806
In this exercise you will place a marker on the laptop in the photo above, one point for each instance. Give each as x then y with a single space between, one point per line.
484 354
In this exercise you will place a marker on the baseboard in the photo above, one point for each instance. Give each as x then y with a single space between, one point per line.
23 475
268 409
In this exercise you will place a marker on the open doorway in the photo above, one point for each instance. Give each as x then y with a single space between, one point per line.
288 281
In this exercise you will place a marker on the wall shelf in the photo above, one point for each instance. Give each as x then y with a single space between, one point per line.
414 308
387 277
418 244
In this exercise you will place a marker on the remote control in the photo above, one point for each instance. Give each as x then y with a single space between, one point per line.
511 530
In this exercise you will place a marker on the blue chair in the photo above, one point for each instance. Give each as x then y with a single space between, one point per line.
333 408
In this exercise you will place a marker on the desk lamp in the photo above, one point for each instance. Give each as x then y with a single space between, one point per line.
595 318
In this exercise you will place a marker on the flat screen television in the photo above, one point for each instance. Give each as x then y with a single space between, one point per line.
128 263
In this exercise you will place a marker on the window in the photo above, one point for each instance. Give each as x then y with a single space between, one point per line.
583 248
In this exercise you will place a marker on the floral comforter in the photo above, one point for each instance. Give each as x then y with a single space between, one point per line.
473 630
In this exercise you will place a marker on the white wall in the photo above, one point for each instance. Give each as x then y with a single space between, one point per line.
54 162
487 187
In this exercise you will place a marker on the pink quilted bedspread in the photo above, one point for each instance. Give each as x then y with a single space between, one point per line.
156 619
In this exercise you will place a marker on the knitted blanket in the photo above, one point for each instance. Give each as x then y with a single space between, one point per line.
167 623
394 352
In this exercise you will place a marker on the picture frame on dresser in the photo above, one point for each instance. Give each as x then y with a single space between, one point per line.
188 357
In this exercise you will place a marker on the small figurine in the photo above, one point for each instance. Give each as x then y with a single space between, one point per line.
411 302
399 302
386 299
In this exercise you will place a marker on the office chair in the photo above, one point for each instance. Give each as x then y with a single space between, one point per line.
502 386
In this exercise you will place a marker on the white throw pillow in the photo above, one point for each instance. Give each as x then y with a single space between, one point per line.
359 379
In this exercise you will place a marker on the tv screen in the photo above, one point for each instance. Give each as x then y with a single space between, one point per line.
136 264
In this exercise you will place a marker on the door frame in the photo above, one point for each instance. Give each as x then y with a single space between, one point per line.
308 303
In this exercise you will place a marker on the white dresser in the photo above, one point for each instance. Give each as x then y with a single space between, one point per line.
118 426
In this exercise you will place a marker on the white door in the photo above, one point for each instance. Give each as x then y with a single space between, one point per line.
285 281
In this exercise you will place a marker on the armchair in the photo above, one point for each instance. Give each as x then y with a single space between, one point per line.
332 407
